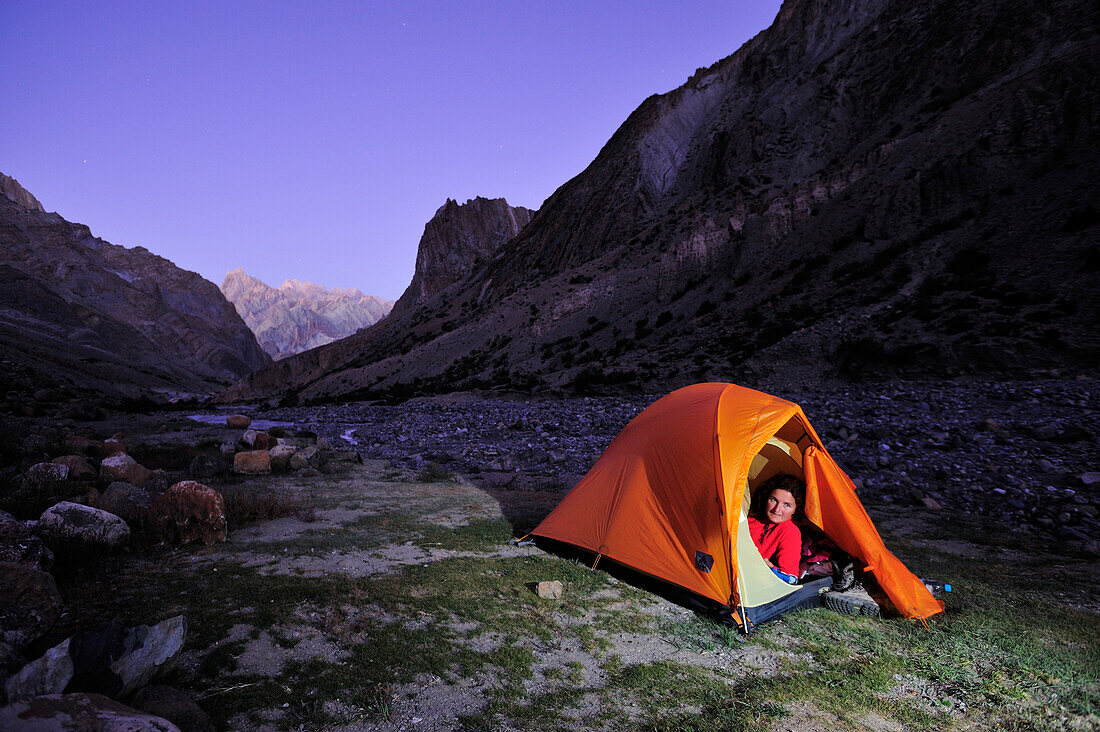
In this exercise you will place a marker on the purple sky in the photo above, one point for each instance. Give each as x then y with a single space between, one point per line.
313 140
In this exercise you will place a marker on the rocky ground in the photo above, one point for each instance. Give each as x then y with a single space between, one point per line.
320 590
1026 453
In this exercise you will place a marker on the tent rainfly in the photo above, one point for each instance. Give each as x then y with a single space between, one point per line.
670 498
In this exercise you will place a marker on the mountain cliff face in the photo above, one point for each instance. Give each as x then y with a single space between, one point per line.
10 187
863 189
299 316
84 314
456 241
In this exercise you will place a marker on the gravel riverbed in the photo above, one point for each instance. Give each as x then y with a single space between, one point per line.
1026 453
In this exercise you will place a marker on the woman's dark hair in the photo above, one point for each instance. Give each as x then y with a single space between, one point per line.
783 481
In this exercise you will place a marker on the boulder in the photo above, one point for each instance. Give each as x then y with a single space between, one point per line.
309 457
252 462
238 421
264 441
129 502
79 467
112 446
35 444
19 545
280 457
72 527
173 705
118 661
208 465
81 445
46 474
1091 478
79 712
189 511
10 662
49 674
122 467
29 604
256 440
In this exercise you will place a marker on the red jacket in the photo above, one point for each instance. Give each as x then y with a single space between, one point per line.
779 543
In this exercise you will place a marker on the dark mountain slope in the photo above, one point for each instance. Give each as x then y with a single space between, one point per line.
864 188
83 314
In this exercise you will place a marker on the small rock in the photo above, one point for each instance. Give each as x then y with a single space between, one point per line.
252 462
931 503
189 511
342 456
280 457
238 421
121 466
79 712
173 705
1064 517
72 527
1090 478
78 465
309 457
1047 432
1045 522
549 590
49 674
248 439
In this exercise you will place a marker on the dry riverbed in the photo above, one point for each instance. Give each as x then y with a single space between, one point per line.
402 605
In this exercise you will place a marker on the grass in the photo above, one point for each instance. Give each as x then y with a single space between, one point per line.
249 506
997 658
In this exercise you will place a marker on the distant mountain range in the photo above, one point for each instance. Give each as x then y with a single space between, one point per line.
863 189
81 315
300 315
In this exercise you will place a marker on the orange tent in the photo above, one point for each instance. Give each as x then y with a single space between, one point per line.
670 497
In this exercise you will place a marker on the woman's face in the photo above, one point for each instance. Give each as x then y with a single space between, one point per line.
780 506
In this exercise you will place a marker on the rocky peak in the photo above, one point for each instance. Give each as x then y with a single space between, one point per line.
10 187
457 239
298 316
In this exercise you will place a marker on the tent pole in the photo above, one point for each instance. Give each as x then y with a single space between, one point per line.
741 602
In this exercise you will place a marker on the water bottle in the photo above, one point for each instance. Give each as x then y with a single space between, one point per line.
936 587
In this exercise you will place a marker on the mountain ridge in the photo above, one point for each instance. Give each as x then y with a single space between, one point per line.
298 316
86 315
858 191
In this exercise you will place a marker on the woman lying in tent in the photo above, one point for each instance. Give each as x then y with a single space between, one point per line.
770 524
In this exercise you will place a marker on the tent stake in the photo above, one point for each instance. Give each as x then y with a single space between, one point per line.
596 562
